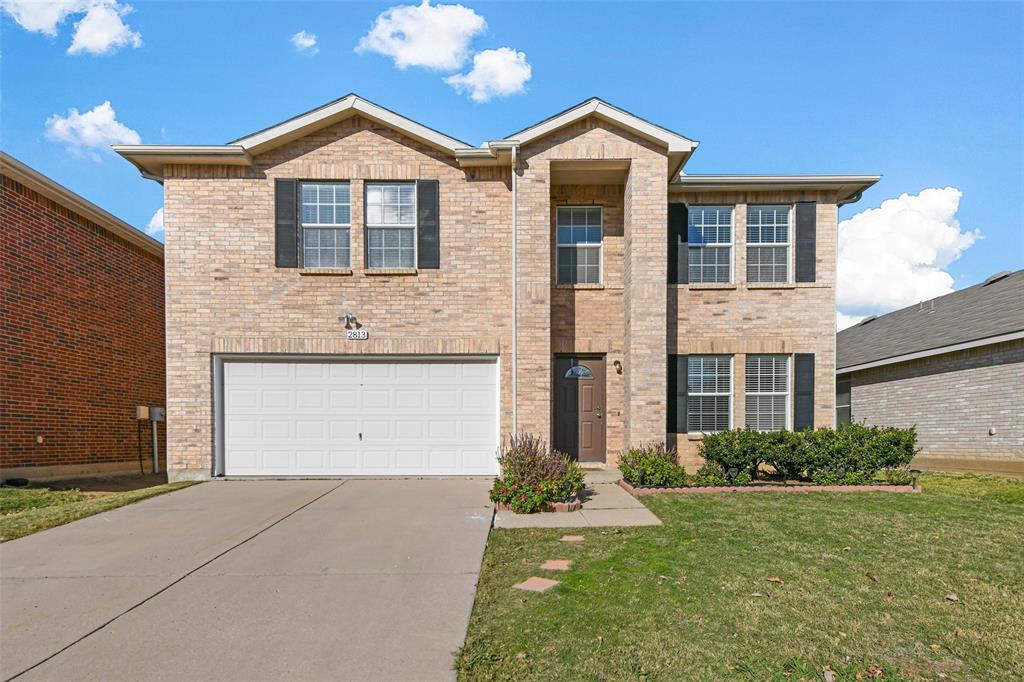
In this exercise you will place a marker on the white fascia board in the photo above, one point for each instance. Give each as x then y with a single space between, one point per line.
336 111
674 142
850 186
941 350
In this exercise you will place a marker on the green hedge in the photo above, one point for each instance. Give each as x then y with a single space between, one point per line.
652 466
851 454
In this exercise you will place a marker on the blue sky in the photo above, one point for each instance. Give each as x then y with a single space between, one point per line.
931 95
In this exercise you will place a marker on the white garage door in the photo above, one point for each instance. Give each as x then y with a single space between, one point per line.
351 418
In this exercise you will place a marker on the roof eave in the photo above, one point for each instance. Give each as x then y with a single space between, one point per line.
151 158
48 187
848 187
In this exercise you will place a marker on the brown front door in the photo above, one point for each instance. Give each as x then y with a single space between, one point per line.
579 407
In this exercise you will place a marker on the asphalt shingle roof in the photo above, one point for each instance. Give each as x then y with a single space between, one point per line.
977 312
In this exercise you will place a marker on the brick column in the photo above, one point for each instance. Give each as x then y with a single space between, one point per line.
645 281
533 288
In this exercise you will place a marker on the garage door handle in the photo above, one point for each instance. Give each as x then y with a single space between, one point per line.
360 436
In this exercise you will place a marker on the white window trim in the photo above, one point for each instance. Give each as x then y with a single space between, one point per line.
414 225
788 402
788 244
731 244
599 245
731 394
348 225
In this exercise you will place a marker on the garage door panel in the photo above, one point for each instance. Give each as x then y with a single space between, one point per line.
414 417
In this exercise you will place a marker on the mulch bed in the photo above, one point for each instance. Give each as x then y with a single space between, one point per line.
766 486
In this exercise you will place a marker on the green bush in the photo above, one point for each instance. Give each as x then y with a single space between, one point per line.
652 466
740 449
533 475
853 454
710 476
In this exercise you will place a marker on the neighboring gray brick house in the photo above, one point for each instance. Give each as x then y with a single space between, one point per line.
350 292
953 367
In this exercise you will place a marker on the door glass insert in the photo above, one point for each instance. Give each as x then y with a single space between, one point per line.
578 372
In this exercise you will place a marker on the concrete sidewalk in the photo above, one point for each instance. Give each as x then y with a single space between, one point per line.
605 503
251 580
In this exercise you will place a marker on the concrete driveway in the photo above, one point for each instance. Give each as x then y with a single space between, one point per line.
251 580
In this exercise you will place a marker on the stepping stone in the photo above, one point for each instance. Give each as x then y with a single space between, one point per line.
556 565
535 584
572 538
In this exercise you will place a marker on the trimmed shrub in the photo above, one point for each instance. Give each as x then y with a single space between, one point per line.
567 486
710 476
740 449
853 454
652 466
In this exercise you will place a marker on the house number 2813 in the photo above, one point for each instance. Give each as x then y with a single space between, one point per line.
356 334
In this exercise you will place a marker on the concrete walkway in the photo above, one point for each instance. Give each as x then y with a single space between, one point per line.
604 504
251 580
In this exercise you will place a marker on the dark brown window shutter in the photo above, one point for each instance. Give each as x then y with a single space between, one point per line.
678 269
286 226
806 240
428 224
677 391
803 391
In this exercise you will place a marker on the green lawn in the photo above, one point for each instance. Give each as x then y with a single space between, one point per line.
864 582
24 511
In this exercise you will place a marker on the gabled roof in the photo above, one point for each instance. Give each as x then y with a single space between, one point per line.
989 312
595 106
36 181
340 109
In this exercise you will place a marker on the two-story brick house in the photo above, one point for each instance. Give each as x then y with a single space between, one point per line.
350 292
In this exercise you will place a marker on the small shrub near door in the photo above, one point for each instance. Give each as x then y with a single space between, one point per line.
652 466
532 475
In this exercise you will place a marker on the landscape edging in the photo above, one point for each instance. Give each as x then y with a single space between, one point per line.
802 488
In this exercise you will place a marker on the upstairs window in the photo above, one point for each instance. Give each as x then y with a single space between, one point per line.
391 225
709 393
326 225
709 233
767 384
768 235
579 236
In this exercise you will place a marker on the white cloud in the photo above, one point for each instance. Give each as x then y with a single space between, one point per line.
155 228
42 16
431 36
305 42
897 254
495 73
100 31
843 320
95 129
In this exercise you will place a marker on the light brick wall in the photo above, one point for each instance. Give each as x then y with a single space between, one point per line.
224 292
743 318
954 399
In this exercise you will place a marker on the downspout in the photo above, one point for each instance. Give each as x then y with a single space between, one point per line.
515 295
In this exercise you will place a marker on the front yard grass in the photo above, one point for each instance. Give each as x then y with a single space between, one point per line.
763 586
24 511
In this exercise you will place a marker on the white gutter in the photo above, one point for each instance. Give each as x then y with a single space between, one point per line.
515 295
1012 336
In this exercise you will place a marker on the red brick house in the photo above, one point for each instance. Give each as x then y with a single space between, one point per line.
82 342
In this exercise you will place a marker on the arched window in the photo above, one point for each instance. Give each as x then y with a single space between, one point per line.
578 372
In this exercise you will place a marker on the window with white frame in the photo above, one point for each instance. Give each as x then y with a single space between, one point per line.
768 243
709 233
391 225
709 393
579 234
326 216
767 384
